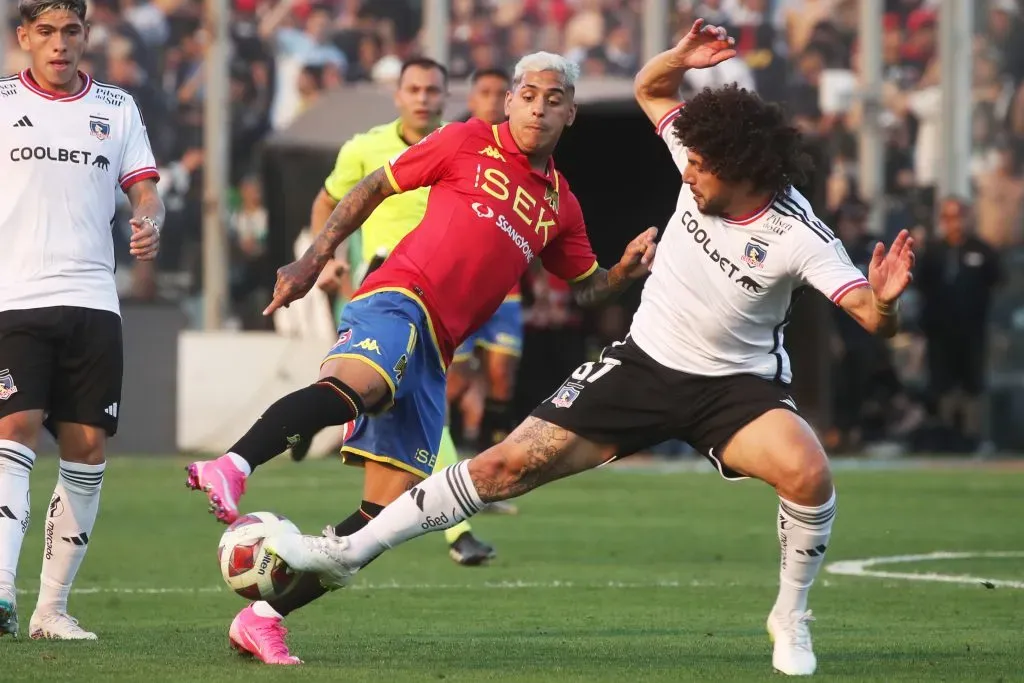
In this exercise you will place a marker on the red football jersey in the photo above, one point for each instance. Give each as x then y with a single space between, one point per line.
488 215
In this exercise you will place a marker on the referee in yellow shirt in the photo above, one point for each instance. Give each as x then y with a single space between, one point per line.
420 100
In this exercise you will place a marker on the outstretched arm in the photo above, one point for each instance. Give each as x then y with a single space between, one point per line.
295 279
876 308
656 87
602 285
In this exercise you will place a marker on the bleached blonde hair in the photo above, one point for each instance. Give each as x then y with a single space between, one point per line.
547 61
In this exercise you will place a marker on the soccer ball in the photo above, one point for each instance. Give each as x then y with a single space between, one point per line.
249 569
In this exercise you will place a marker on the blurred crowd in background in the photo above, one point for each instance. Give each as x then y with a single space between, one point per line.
801 53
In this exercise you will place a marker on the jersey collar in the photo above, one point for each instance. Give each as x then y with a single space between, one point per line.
752 216
503 136
30 83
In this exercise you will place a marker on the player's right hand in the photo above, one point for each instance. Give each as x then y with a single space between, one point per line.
705 46
293 282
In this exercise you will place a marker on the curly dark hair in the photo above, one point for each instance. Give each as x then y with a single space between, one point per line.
740 137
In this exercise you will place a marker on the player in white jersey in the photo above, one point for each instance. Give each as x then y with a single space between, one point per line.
67 145
704 360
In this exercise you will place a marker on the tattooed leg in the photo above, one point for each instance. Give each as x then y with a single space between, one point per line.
536 453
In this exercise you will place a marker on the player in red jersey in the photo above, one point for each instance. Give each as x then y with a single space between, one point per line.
496 203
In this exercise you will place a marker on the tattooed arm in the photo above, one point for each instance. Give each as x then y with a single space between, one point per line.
354 208
295 279
603 285
600 287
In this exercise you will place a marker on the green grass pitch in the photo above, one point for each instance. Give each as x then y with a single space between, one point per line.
609 576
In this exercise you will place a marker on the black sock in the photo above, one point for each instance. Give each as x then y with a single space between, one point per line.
300 414
495 424
308 587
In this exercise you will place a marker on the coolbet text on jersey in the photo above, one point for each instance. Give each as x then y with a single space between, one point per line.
59 252
721 290
488 216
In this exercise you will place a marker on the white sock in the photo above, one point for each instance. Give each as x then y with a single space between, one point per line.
241 463
69 522
441 501
803 534
262 608
16 461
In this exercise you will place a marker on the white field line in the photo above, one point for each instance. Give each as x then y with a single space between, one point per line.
863 568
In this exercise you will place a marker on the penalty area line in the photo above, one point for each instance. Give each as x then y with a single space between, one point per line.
864 568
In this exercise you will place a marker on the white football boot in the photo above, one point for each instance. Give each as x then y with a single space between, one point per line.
321 555
793 654
57 626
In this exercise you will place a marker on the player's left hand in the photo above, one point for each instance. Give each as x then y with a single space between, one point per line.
638 258
145 240
891 273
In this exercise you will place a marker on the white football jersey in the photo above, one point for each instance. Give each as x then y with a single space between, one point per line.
63 159
721 291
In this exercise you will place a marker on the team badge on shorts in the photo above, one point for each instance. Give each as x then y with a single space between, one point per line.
343 338
565 396
99 127
755 253
7 386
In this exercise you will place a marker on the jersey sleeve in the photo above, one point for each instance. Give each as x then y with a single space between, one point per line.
667 133
137 161
570 256
820 260
348 171
426 162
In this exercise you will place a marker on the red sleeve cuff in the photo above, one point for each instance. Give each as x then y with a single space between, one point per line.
838 295
145 173
669 117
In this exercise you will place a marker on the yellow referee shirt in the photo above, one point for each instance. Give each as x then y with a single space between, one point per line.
398 214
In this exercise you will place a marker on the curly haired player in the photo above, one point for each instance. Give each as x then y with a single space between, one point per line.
704 360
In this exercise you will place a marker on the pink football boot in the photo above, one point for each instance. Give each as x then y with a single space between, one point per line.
261 637
223 483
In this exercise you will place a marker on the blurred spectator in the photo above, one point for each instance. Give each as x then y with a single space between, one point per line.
1001 200
248 227
956 276
294 49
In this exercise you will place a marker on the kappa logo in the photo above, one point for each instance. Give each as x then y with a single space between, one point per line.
99 127
7 386
368 345
755 253
490 151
